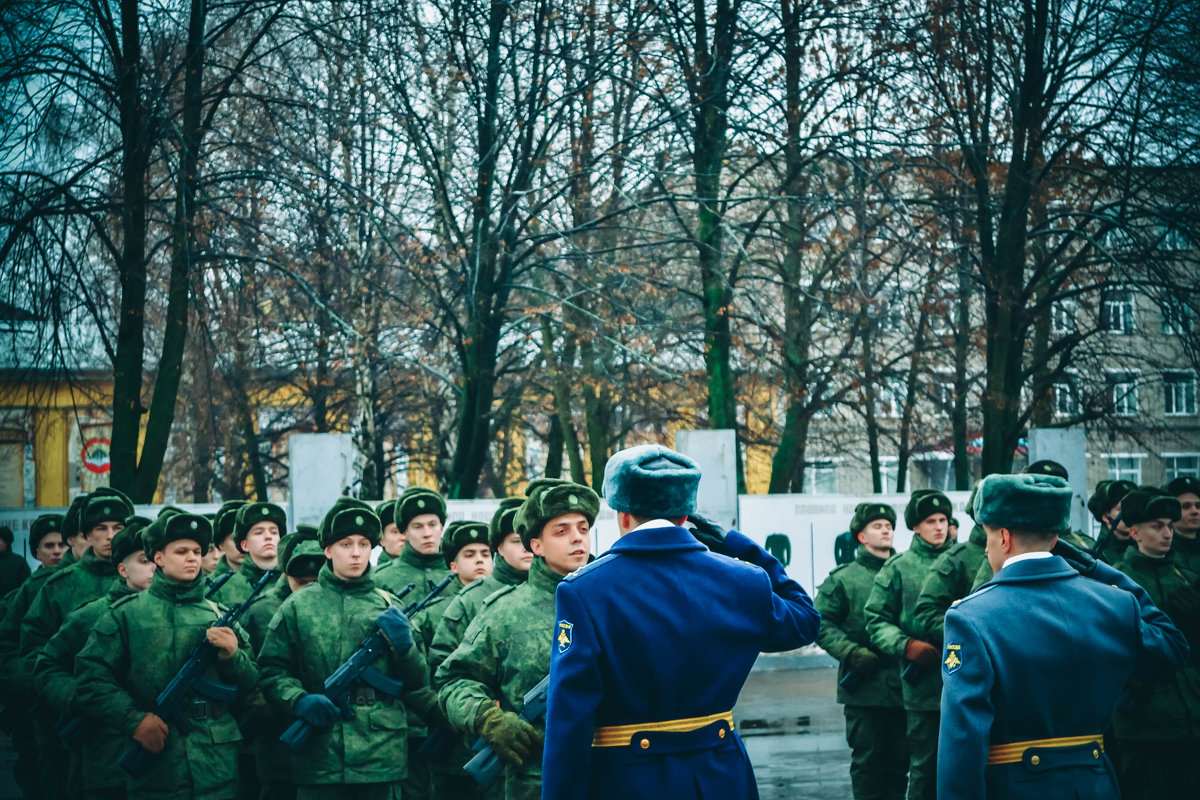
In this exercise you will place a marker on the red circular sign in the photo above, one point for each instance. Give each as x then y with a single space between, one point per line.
95 455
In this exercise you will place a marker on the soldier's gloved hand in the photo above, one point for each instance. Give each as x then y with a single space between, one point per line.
317 710
1081 561
707 532
922 653
1183 606
151 733
511 737
225 640
396 629
863 661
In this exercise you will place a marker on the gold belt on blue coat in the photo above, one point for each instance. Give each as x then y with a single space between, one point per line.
622 735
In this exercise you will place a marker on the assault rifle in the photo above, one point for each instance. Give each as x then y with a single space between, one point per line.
217 583
485 765
357 668
190 680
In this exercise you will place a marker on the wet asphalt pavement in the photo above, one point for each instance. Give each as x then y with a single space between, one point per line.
787 715
793 728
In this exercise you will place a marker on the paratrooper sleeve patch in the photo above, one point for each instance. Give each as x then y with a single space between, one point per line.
564 636
953 661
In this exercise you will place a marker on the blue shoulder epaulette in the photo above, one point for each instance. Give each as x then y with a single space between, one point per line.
976 593
586 568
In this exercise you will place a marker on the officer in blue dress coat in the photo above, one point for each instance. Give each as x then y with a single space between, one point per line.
1035 660
653 642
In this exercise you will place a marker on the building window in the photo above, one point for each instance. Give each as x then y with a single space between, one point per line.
1181 466
1063 315
889 471
1179 394
939 472
1066 404
942 389
1116 313
890 400
1125 468
820 477
1123 387
1177 316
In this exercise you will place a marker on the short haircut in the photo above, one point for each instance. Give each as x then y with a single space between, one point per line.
1041 537
6 535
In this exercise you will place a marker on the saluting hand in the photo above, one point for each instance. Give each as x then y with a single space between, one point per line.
151 733
225 640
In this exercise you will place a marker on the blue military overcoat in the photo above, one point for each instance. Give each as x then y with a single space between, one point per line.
1039 653
656 631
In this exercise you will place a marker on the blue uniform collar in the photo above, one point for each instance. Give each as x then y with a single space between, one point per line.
671 537
1034 570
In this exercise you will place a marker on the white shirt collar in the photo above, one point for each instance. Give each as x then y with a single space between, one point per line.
1027 557
655 523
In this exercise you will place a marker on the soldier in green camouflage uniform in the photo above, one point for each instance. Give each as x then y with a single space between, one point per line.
506 650
93 761
312 634
419 514
16 688
1158 720
139 644
14 569
301 558
256 531
951 577
1077 539
392 538
1105 505
895 632
231 557
868 684
1185 545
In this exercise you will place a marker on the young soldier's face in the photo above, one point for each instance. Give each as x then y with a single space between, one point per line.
513 551
229 549
262 543
1189 523
564 543
349 557
137 570
877 535
1153 537
213 557
424 534
179 560
933 529
100 538
50 549
392 539
473 561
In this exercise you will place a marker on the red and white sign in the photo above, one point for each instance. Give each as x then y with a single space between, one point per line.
95 455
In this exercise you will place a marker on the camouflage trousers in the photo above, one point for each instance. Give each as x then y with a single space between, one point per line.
878 752
922 731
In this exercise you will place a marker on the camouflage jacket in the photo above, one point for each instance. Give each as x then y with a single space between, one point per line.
1163 708
505 652
842 601
14 570
424 572
63 592
891 621
258 616
54 674
14 675
137 646
1186 552
312 634
951 577
238 588
464 608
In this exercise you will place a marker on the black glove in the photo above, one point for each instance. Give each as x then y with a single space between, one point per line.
863 661
708 533
1081 561
317 710
396 629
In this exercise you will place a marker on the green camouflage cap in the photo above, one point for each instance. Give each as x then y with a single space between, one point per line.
866 513
1149 503
386 511
923 504
461 533
251 514
503 521
1107 495
300 554
70 525
1046 467
174 527
1024 502
42 527
1184 485
104 505
129 539
547 498
225 520
417 501
347 517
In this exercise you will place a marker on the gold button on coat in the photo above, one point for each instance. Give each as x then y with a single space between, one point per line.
645 744
721 733
1035 760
